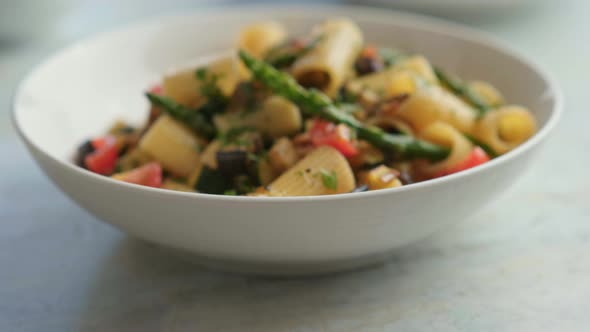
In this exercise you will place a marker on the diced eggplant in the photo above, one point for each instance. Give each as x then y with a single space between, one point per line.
83 150
212 181
231 163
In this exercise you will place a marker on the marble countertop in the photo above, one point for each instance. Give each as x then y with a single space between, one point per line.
521 264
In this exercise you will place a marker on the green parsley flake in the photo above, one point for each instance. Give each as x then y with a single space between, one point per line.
230 192
201 73
329 179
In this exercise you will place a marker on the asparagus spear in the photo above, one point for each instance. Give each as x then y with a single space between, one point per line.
315 103
193 118
280 59
460 88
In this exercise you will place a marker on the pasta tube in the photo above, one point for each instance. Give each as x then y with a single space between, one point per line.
388 83
445 135
277 117
505 128
329 62
324 171
258 38
487 92
403 78
184 87
433 104
420 66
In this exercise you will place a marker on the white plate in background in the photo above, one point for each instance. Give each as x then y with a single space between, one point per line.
454 8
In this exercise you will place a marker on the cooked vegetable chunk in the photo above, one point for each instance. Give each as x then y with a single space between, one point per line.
381 177
316 103
173 145
149 175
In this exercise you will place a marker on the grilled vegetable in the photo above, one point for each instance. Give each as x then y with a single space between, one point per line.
212 181
337 136
462 89
104 157
83 150
231 163
315 103
149 175
192 118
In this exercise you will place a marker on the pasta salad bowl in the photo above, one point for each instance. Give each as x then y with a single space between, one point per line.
79 91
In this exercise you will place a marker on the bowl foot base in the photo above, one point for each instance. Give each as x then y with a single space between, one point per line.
278 269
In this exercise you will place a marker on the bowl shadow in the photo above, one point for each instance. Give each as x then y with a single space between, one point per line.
143 287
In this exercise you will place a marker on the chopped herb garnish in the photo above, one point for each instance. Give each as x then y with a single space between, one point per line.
344 96
198 148
230 192
252 157
283 56
201 73
244 184
249 92
232 136
329 179
209 86
118 168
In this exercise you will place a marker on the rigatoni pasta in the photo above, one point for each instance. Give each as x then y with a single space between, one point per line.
433 104
259 38
329 63
316 114
446 135
185 87
505 128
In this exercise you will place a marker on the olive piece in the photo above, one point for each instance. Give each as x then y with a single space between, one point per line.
83 150
366 65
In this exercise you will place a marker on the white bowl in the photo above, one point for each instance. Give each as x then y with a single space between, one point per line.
81 90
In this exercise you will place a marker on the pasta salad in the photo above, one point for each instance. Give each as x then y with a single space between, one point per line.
326 113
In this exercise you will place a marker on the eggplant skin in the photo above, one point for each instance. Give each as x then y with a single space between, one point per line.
211 181
84 150
231 163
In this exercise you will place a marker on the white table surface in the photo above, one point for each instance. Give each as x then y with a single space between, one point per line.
522 264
